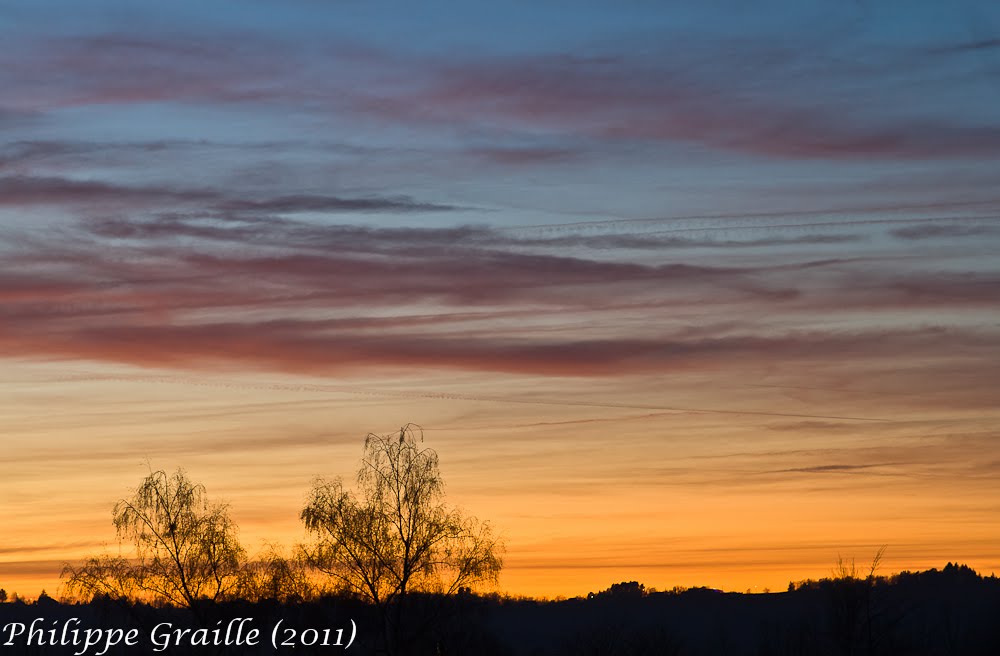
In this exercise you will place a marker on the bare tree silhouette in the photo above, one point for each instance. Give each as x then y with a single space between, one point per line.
185 549
394 534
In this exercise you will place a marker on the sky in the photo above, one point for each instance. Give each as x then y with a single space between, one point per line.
687 293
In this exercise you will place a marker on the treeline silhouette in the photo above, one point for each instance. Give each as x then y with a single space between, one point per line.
952 611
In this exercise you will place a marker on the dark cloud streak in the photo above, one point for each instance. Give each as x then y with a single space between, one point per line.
23 191
944 230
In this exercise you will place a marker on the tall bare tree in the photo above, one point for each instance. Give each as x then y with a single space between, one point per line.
185 548
394 534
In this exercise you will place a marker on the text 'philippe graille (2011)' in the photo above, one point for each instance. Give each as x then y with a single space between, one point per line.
236 632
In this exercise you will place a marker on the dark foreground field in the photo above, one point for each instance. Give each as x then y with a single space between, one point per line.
949 612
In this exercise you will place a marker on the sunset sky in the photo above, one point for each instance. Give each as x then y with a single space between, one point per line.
698 293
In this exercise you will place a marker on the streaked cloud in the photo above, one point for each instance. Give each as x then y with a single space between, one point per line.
945 230
22 191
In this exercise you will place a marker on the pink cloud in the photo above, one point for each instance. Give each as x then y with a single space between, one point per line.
630 100
118 69
672 97
458 298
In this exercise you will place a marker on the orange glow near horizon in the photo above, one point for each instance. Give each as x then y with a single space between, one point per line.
586 494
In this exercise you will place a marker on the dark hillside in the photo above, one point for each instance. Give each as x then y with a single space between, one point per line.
948 612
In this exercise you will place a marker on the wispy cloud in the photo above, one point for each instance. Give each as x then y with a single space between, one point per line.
153 323
944 230
524 156
172 291
311 347
20 191
314 203
977 45
687 93
113 68
87 195
836 469
623 98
